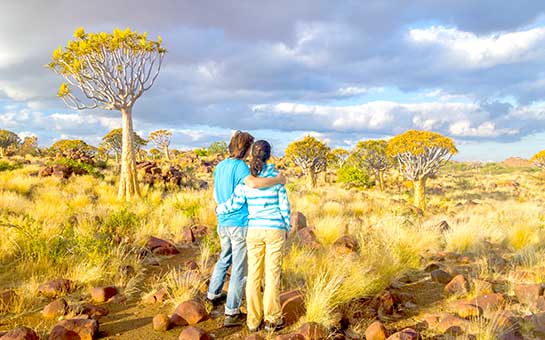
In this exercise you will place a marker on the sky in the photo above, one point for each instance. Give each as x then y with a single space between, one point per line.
340 70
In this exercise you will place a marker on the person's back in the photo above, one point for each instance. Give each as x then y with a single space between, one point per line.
228 174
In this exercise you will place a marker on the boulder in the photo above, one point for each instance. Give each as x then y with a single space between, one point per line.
191 311
431 267
376 331
81 329
307 238
430 321
346 245
313 331
160 295
489 302
187 235
62 171
55 288
161 247
440 276
161 322
92 311
20 333
103 294
298 221
55 309
466 310
457 286
293 306
483 287
406 334
453 325
46 171
194 333
528 294
293 336
191 265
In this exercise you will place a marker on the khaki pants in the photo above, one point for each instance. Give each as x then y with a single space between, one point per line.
265 248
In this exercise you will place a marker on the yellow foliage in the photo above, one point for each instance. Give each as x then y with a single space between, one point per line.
418 142
539 159
63 90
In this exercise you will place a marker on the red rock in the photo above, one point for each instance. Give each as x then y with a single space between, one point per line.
191 311
254 337
346 245
7 298
489 302
406 334
483 287
431 321
440 276
431 267
187 235
160 295
307 238
103 294
20 333
376 331
92 311
457 286
55 288
453 325
466 310
293 306
161 322
294 336
81 329
191 265
194 333
161 247
528 293
55 309
200 231
386 302
298 221
313 331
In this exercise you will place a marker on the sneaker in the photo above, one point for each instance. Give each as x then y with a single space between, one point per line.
274 326
234 320
257 329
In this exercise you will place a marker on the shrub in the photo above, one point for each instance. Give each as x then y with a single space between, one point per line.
79 166
7 166
354 177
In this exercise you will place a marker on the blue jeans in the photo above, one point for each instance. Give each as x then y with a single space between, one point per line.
233 252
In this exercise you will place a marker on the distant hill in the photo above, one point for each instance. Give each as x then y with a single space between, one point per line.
516 162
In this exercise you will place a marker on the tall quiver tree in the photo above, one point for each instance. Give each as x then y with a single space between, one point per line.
371 155
111 71
419 155
310 154
8 140
539 159
161 139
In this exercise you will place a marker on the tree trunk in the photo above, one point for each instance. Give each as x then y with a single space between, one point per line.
311 177
420 193
167 154
380 180
128 182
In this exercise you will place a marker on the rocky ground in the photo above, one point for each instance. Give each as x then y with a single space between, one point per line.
451 296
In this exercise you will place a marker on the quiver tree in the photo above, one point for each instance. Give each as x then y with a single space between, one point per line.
8 140
112 143
218 148
29 146
310 154
70 146
161 139
419 155
371 155
338 157
110 71
539 159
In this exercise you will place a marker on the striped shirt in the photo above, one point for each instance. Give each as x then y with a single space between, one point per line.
267 207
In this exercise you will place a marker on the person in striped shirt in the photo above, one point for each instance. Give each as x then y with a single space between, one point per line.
268 227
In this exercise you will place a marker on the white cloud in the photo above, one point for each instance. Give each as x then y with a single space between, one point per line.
486 50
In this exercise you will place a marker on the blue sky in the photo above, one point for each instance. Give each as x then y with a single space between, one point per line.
343 71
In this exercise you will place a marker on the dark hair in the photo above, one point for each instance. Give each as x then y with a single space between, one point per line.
261 152
240 144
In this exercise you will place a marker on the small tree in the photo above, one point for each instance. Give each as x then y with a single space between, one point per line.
310 154
539 159
111 70
66 146
218 148
112 143
338 157
161 139
419 155
371 155
29 146
8 140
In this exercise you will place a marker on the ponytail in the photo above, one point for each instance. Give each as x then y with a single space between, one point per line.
261 152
